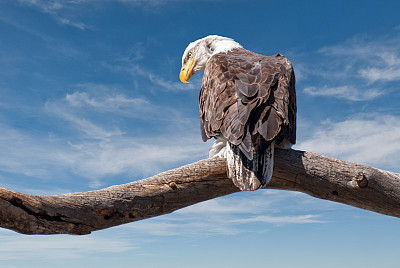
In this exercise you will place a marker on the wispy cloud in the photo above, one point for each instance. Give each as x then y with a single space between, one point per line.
62 11
104 149
364 68
60 48
106 101
97 145
374 60
195 84
146 2
23 153
385 74
229 215
224 225
76 24
97 154
281 219
372 140
68 12
345 92
155 3
56 247
157 80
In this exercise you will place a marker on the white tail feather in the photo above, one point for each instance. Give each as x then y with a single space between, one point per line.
218 149
245 179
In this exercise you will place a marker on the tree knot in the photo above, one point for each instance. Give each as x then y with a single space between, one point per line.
361 180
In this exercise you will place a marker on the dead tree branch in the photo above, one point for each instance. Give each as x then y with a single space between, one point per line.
81 213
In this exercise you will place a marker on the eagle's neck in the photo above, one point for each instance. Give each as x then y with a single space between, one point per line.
223 46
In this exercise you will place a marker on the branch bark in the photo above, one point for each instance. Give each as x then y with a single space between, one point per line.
81 213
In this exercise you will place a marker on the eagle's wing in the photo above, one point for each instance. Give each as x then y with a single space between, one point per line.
250 99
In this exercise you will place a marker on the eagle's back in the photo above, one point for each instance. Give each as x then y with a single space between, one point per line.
250 99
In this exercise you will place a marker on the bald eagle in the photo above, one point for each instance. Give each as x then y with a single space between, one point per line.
247 103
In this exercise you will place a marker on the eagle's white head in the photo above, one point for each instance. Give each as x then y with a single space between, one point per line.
197 54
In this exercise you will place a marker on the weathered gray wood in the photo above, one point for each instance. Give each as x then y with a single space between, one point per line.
81 213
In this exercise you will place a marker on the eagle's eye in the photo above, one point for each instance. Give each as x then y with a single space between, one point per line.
189 54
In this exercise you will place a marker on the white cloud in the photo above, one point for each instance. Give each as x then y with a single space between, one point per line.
107 102
103 100
194 84
281 219
103 149
85 141
113 102
231 215
46 6
210 224
61 48
108 99
76 24
228 206
85 126
366 67
157 80
67 12
384 74
374 60
20 247
62 11
373 140
155 3
130 155
146 2
25 154
344 92
183 227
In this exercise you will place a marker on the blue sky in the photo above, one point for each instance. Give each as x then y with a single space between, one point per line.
90 97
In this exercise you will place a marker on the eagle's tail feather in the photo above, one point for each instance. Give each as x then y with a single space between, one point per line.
250 175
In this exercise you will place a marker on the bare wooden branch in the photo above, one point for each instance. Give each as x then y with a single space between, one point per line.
81 213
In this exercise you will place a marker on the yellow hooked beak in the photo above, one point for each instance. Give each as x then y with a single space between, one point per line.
186 71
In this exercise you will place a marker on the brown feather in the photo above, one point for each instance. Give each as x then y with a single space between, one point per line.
250 99
246 75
